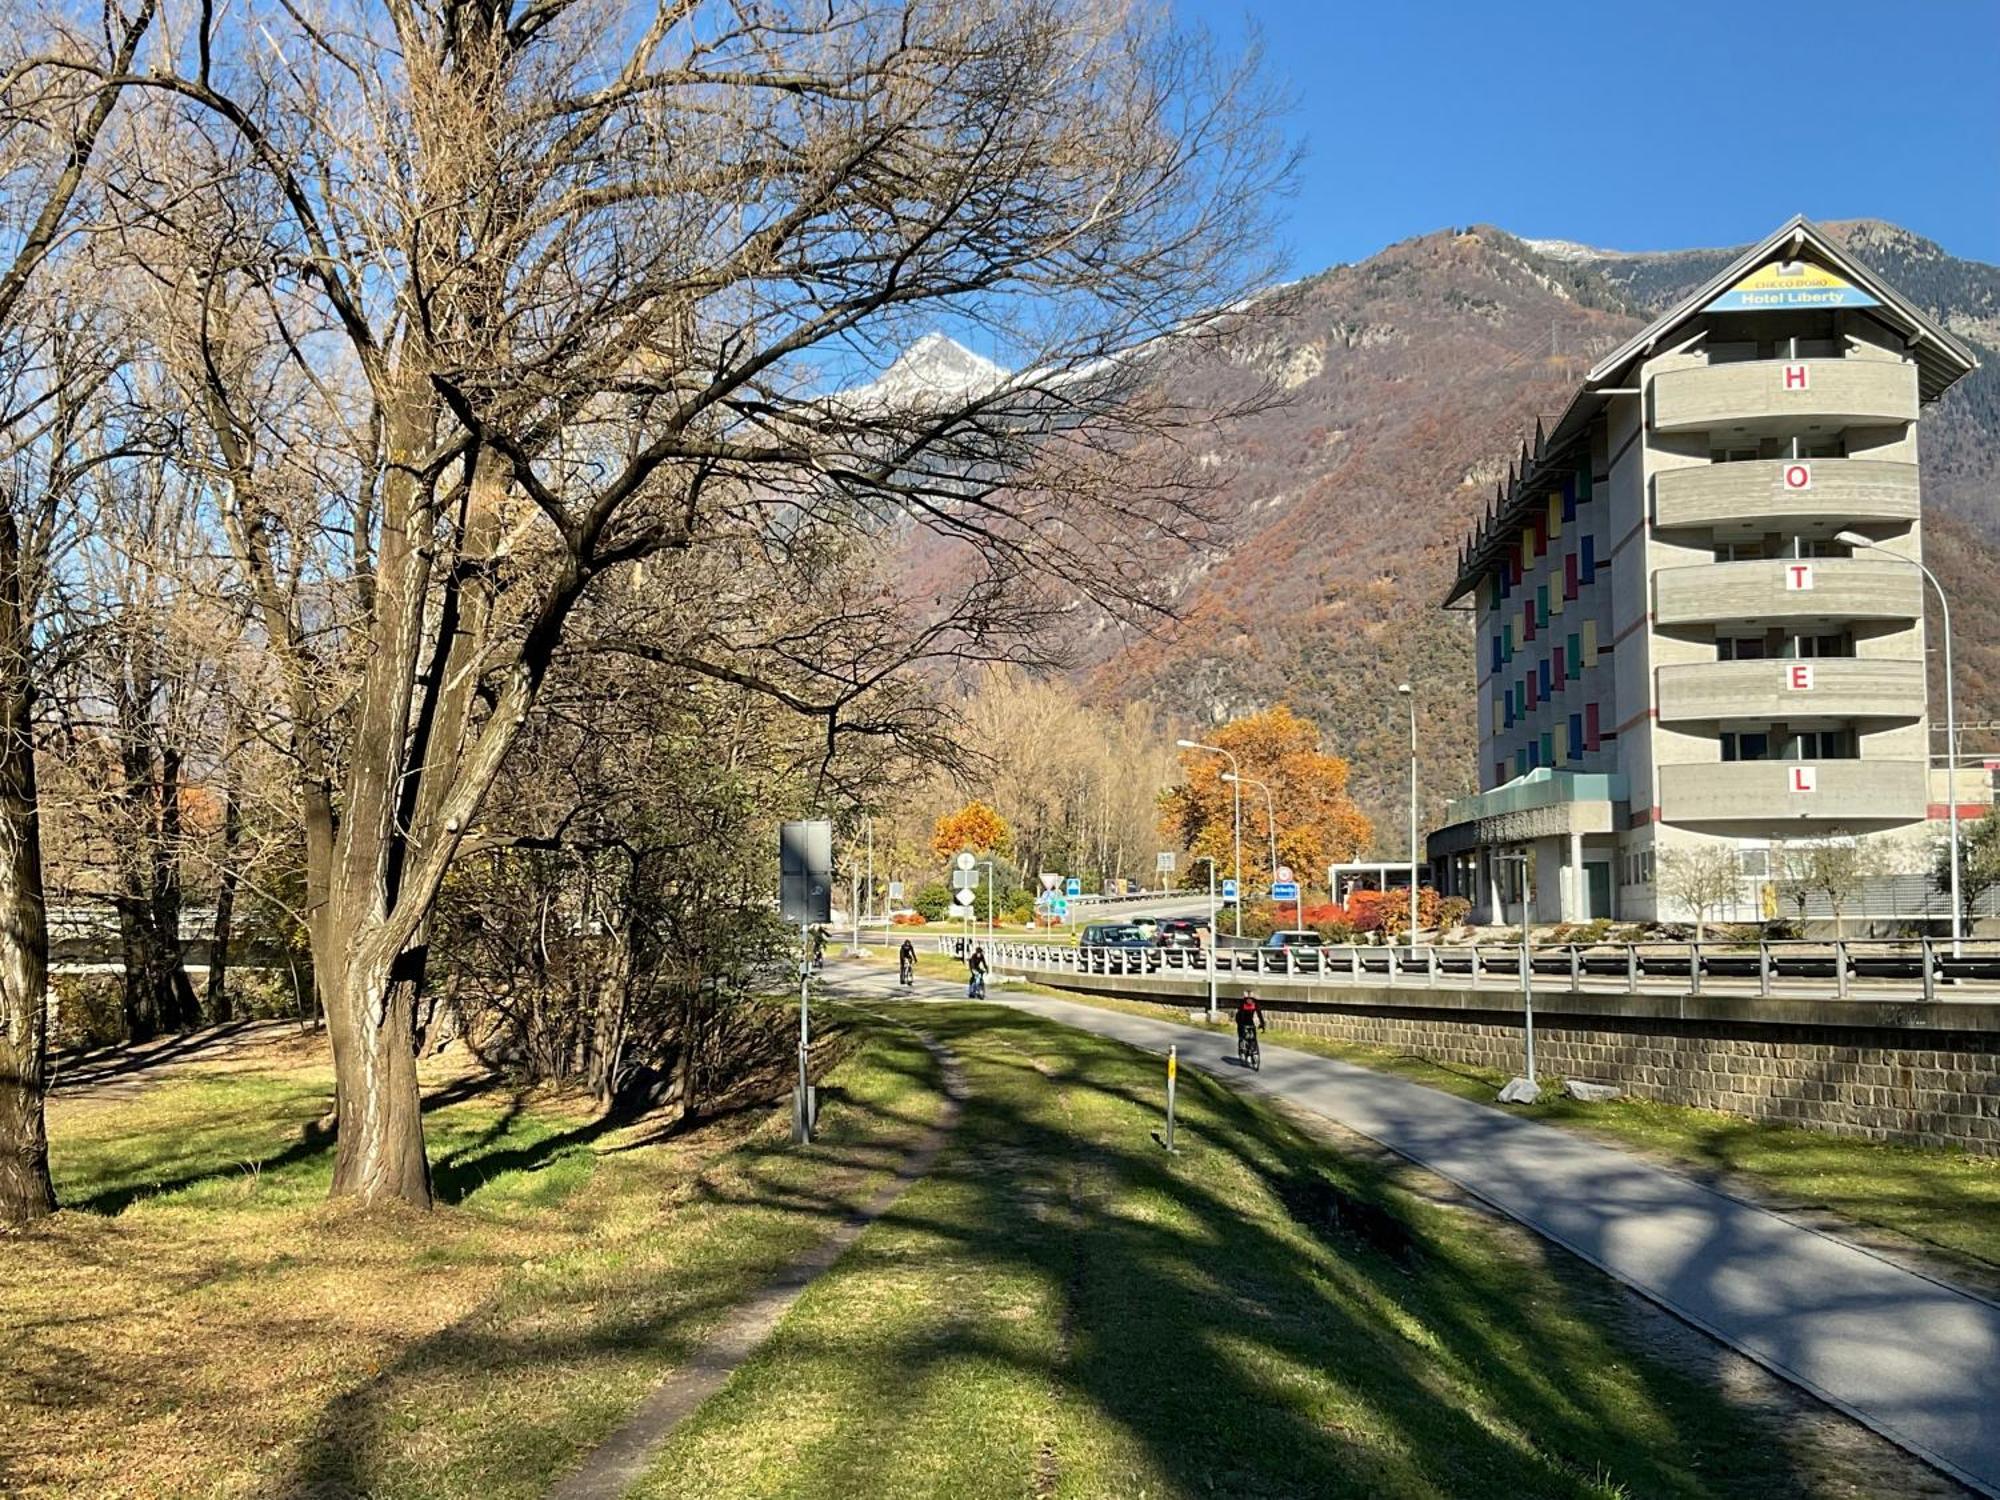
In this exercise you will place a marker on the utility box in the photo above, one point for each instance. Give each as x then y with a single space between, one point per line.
805 870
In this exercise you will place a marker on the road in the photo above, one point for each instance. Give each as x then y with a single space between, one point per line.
1915 1360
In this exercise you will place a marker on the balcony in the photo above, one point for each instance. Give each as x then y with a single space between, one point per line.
1853 793
1841 492
1752 397
1760 592
1842 688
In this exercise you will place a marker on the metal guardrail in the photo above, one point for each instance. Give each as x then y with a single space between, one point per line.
1789 968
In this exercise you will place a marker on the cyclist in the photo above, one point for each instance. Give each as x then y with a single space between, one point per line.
819 947
1249 1021
975 986
906 964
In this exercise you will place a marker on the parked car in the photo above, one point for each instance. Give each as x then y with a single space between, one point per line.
1119 946
1180 932
1297 937
1273 954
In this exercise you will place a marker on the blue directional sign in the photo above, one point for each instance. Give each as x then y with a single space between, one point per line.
1072 887
1285 890
1228 890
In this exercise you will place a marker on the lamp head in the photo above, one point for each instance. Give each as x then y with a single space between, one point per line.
1187 744
1852 539
1404 687
1231 776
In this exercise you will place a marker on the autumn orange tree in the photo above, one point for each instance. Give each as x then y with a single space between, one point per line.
974 826
1318 822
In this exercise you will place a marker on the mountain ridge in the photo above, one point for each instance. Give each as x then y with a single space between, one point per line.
1412 378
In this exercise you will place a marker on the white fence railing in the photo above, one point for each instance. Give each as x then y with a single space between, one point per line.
1906 967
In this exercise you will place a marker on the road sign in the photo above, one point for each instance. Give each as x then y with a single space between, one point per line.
964 896
1287 890
805 870
1284 874
967 859
964 880
1229 890
895 890
1050 880
1164 864
1072 887
1059 906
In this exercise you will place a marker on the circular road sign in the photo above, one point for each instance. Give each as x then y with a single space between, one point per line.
1284 873
967 860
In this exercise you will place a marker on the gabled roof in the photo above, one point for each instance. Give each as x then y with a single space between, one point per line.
1941 360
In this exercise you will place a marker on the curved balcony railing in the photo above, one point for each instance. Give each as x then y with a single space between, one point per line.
1853 793
1787 494
1772 395
1822 688
1776 591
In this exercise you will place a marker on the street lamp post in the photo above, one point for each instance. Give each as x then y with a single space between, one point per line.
1527 990
1411 693
1856 539
1270 813
1209 860
1238 789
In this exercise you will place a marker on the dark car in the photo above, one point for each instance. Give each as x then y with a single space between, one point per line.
1301 937
1118 949
1276 946
1180 932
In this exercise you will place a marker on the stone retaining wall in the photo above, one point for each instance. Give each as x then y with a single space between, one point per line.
1926 1074
1932 1088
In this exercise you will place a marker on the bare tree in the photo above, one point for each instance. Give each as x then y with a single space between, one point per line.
55 110
1703 879
574 283
1837 868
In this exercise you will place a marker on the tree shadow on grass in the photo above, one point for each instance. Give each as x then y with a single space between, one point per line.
596 1314
1387 1355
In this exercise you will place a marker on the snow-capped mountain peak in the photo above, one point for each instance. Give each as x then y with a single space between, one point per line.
934 368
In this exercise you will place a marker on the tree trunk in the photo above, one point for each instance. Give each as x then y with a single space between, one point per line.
143 1020
220 1007
25 1189
177 1002
380 1154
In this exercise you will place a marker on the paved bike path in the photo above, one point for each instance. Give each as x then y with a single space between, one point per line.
1914 1359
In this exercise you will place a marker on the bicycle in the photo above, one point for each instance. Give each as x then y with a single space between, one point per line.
1248 1052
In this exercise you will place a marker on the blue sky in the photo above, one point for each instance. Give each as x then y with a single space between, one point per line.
1536 115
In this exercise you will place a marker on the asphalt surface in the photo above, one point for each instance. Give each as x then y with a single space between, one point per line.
1912 1358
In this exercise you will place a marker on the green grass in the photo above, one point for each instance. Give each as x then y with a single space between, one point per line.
199 1321
1060 1309
1943 1201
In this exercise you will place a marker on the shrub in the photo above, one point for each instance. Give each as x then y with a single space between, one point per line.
908 919
933 902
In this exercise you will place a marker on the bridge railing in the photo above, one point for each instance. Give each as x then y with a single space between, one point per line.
1915 966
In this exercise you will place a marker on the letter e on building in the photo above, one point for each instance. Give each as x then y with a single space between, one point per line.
1805 778
1798 476
1799 676
1798 577
1798 377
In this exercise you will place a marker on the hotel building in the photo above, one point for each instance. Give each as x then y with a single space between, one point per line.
1675 644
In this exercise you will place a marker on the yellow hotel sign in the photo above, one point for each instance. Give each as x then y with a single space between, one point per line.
1786 284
